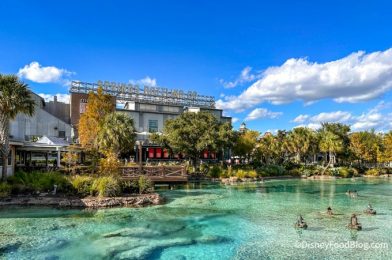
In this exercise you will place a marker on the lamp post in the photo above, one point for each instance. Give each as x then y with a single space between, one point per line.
140 148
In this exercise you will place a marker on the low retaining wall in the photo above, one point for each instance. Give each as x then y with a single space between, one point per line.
88 202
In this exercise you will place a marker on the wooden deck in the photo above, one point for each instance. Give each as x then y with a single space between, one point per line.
157 174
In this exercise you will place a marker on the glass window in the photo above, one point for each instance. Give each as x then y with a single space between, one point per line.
148 107
152 126
61 134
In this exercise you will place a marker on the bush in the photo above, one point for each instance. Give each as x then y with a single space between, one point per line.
144 184
38 181
5 189
106 186
373 172
272 170
215 171
129 186
109 165
82 184
243 173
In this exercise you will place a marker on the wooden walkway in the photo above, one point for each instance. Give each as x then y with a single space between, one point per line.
157 174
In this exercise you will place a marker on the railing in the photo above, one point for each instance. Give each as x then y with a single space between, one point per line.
132 172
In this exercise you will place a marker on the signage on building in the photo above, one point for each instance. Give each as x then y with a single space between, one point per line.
157 95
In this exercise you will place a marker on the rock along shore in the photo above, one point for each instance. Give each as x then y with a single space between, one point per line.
88 202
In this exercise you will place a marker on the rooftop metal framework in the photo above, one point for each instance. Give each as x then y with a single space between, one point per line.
125 92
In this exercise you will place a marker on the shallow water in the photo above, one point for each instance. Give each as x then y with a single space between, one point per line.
210 221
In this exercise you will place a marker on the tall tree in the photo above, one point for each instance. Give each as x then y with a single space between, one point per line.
330 143
299 141
91 121
117 134
366 146
246 143
191 133
15 97
387 143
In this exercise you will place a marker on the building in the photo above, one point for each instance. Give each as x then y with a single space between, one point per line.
149 107
37 141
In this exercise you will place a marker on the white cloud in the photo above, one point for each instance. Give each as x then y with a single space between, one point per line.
60 97
300 119
354 78
245 76
377 118
262 113
234 119
337 116
374 118
146 81
37 73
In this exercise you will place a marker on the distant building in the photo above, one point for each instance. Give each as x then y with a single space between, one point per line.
149 107
243 127
38 140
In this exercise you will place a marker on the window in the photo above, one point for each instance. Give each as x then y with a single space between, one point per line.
170 109
61 134
148 107
153 126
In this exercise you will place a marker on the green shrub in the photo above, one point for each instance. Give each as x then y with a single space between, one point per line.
241 174
5 189
215 171
272 170
244 173
373 172
295 172
345 172
144 184
130 186
38 181
106 186
82 184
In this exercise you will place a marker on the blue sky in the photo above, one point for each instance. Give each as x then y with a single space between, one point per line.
275 64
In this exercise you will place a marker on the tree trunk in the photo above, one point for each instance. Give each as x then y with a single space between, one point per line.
329 163
4 142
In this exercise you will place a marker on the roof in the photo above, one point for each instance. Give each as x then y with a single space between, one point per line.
51 140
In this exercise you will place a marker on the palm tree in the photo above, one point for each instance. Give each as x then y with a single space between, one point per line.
117 134
330 143
14 98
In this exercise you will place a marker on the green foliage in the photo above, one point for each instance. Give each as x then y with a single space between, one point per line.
38 181
110 165
244 173
15 98
107 186
82 184
144 184
117 134
272 170
191 133
373 172
215 171
130 186
5 189
245 143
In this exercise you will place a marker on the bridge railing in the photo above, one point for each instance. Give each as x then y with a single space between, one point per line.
153 171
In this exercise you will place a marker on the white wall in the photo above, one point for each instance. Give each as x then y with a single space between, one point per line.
41 123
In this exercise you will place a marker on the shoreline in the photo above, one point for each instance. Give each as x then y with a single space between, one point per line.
141 200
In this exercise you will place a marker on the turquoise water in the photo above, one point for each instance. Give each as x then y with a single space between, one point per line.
210 221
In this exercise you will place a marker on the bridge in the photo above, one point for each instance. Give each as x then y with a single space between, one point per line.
157 174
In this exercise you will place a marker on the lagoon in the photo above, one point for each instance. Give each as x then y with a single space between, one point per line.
212 221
